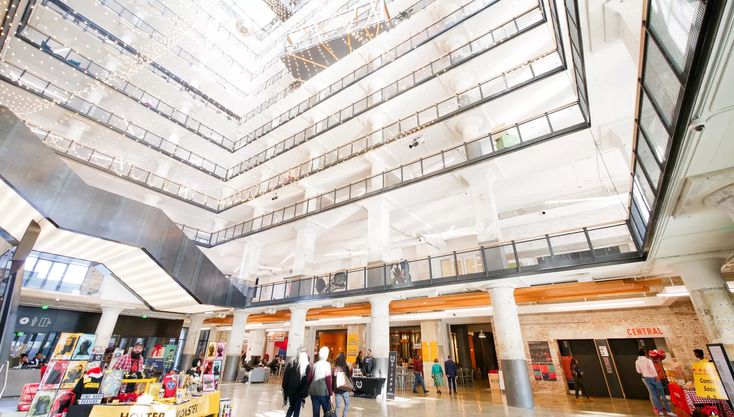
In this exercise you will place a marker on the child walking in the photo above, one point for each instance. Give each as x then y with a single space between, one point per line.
437 373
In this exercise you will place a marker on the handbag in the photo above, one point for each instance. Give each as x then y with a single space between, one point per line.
343 383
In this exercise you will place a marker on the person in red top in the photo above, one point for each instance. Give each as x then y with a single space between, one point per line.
418 372
133 362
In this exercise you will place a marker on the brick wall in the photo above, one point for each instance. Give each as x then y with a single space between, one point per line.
679 323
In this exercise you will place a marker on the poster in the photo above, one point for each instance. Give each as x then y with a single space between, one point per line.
62 401
157 352
111 383
116 355
42 402
65 346
706 381
225 408
217 368
74 371
53 376
157 364
542 361
211 350
221 350
84 346
170 356
352 347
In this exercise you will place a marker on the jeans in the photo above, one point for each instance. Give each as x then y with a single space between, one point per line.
294 407
655 387
320 401
419 380
578 384
343 398
451 382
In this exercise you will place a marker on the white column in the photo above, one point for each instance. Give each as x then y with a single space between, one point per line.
256 343
296 331
303 258
250 259
106 325
234 345
379 340
711 298
192 338
510 346
378 230
430 334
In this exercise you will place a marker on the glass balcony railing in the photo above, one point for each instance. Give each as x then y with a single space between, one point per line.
338 85
487 41
554 123
456 104
578 248
61 274
672 34
436 28
62 7
108 163
106 37
36 85
85 65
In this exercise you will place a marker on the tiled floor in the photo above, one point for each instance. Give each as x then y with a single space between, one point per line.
265 400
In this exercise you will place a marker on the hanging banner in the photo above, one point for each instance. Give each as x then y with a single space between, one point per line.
707 382
352 347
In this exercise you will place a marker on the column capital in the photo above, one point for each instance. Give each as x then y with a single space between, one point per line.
298 309
507 283
382 300
111 309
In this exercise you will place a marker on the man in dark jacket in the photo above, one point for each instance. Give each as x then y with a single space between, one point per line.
295 384
450 368
368 363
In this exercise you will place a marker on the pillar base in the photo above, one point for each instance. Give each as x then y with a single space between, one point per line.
231 367
517 383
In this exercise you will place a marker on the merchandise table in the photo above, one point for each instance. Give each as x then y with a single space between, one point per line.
367 387
205 405
686 400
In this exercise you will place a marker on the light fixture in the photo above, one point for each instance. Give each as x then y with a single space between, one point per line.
482 335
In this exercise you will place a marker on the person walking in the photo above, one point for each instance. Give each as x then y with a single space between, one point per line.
342 384
437 374
322 387
450 368
295 384
418 373
578 382
646 368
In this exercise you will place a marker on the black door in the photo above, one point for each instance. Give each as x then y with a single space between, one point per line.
585 353
625 352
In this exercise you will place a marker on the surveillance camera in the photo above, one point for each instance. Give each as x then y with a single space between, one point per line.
542 212
698 125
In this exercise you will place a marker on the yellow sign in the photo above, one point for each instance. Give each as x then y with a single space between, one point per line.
707 382
206 405
429 351
352 347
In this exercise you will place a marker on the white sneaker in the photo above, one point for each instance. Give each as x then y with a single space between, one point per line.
672 414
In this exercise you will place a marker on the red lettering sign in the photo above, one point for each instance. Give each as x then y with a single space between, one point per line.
644 331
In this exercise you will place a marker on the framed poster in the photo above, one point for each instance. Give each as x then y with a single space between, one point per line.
53 376
116 355
217 368
65 346
61 403
542 361
221 350
208 383
723 367
74 371
42 402
84 346
211 350
156 352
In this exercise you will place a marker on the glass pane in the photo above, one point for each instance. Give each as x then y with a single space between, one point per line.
661 81
654 128
54 276
672 22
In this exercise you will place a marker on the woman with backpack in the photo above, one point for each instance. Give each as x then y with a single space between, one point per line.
342 383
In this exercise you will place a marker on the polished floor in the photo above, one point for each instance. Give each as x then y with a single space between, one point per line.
265 400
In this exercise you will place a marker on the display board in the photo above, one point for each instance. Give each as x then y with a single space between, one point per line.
723 367
391 374
542 361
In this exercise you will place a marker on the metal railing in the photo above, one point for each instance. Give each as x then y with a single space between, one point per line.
357 74
86 66
567 250
103 35
421 119
484 43
36 85
551 124
440 26
110 164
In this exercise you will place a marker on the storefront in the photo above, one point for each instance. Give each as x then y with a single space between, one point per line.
472 346
406 341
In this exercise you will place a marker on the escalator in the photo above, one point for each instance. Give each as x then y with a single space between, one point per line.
137 242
